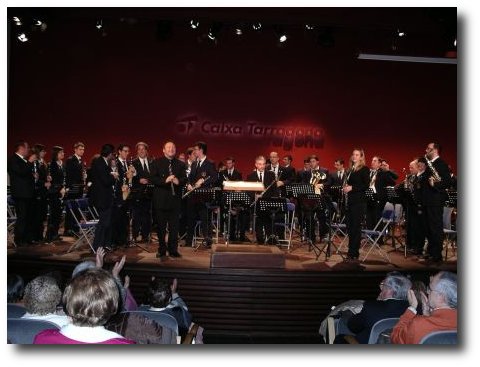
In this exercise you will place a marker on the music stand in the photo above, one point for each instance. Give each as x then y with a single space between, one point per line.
228 198
273 206
452 199
370 195
129 203
205 196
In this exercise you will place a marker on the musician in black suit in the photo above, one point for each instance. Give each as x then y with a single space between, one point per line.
40 200
120 219
339 173
239 216
142 193
289 175
75 179
434 197
22 185
262 221
103 179
380 177
168 175
357 184
203 174
417 181
302 172
56 193
322 185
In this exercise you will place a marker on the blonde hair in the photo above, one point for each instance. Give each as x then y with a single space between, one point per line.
361 162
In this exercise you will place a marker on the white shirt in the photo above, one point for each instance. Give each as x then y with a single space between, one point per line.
79 158
144 162
230 172
88 334
21 157
200 162
263 175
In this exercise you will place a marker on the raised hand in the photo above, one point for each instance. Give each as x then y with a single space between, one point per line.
100 257
117 268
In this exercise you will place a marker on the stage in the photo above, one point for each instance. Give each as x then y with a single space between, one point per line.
241 305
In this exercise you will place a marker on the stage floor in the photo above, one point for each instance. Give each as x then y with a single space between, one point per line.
298 258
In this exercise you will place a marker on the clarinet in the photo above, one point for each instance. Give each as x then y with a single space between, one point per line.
435 175
345 183
170 172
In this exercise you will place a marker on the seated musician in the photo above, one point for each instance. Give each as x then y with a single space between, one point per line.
262 221
320 178
203 174
239 215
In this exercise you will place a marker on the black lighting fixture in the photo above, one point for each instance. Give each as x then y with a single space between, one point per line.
401 32
17 21
99 24
280 33
214 31
238 29
257 26
194 24
309 27
22 37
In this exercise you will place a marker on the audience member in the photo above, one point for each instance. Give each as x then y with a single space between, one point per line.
90 300
391 302
15 289
439 311
42 296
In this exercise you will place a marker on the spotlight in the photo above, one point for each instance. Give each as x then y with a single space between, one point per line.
214 30
401 33
194 23
99 24
309 27
238 31
38 23
282 38
22 37
257 26
17 20
455 43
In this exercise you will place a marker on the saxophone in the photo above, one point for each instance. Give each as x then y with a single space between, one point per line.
317 177
436 177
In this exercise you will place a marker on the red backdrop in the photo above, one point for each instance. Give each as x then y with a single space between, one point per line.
71 83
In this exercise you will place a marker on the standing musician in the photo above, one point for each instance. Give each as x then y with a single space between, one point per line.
203 174
302 172
142 193
380 178
262 222
338 176
416 183
168 176
120 219
239 215
42 185
320 178
22 185
75 179
189 159
56 193
434 197
103 178
357 181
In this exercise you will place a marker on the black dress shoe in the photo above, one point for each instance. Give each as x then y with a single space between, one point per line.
161 254
175 254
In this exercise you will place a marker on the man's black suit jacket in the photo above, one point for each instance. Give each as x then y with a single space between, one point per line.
162 192
207 169
268 178
101 191
22 182
373 311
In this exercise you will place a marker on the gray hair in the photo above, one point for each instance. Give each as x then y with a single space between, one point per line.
84 265
399 284
42 295
447 286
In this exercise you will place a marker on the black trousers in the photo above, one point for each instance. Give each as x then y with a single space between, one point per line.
103 230
416 229
120 222
310 219
263 226
354 218
434 228
168 217
23 212
197 210
238 223
55 217
39 214
142 217
374 212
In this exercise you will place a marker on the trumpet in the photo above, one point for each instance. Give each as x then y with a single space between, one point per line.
436 177
317 177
